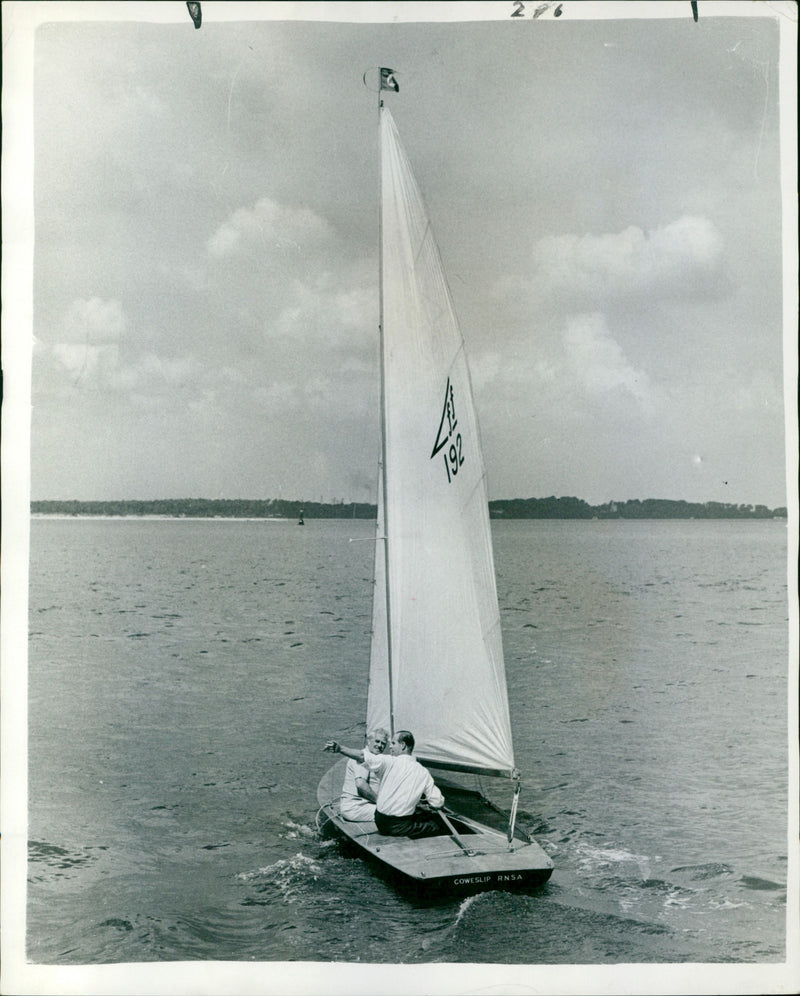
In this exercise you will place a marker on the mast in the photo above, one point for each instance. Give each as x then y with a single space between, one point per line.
382 364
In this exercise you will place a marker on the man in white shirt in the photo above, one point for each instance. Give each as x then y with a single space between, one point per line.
404 782
360 786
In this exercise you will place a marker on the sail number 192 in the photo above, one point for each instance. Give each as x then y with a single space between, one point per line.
447 438
453 458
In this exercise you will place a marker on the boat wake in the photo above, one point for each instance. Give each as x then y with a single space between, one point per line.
295 830
290 876
639 887
467 903
294 875
596 859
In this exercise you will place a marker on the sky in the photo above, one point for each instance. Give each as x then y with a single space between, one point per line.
605 194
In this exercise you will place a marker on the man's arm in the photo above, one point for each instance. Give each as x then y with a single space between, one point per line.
365 791
351 752
433 795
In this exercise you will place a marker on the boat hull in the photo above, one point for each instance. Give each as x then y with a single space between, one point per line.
441 866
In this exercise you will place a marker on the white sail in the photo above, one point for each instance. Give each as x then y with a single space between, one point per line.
437 669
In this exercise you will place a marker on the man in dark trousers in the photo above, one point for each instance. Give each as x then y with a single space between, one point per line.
404 783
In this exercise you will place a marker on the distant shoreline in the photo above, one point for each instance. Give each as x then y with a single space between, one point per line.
280 510
163 518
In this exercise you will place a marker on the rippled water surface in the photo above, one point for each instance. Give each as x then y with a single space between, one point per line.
184 675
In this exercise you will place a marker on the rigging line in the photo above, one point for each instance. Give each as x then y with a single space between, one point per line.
422 240
454 834
317 819
472 823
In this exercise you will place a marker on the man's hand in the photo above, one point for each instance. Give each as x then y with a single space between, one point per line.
336 748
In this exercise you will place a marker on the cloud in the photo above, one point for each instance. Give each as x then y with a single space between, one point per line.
87 349
102 367
292 278
154 371
597 363
83 362
327 311
95 321
577 367
94 346
268 225
484 368
683 258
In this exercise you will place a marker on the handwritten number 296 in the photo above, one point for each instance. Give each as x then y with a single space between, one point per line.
520 9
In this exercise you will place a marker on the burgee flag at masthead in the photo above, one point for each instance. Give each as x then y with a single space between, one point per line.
195 13
388 80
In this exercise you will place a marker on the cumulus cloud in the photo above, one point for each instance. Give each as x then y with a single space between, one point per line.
268 224
95 321
103 368
326 310
84 361
87 348
576 366
598 363
91 350
152 369
682 258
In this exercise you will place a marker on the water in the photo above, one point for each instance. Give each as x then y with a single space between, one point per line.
185 674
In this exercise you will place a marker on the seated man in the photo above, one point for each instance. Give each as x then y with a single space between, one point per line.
360 787
404 782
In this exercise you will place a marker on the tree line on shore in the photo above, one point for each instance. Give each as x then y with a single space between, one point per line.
516 508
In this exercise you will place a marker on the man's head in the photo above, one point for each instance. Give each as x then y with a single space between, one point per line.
402 743
377 740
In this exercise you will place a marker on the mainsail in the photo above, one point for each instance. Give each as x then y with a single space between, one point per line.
436 664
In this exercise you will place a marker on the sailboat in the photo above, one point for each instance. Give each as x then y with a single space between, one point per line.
436 659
